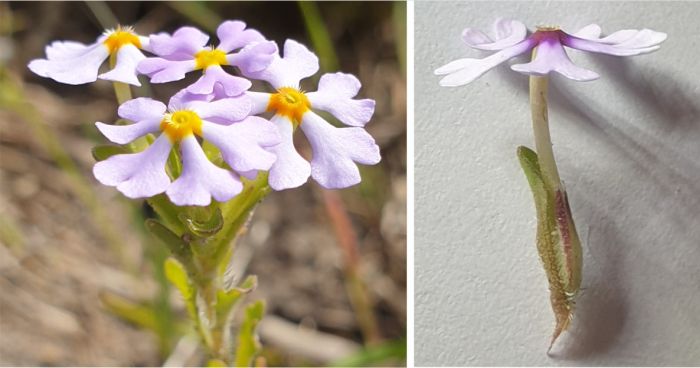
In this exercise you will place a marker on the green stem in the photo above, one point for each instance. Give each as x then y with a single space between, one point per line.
208 284
211 256
540 128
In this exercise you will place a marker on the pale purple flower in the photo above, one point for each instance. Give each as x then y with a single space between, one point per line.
72 62
335 151
185 51
511 40
242 143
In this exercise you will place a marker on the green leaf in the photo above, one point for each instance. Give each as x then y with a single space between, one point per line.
168 212
103 152
216 363
179 248
213 154
139 314
551 246
226 300
176 274
236 213
202 222
174 164
248 345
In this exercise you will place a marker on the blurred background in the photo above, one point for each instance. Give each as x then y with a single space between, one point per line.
81 282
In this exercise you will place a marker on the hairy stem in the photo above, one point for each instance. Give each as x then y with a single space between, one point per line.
540 128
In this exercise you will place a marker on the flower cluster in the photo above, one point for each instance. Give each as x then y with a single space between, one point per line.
220 109
511 40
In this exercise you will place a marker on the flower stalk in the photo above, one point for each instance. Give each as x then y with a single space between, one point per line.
557 240
539 87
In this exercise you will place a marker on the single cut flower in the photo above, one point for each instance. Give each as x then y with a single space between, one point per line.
185 51
511 40
72 62
242 143
335 151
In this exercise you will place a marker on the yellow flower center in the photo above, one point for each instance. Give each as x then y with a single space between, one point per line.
121 37
289 102
547 28
207 58
181 124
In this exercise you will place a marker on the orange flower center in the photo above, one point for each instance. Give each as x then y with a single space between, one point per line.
289 102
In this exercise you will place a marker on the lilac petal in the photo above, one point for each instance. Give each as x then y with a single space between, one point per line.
464 71
161 70
632 38
142 108
137 175
591 31
145 43
230 109
335 151
71 66
200 179
183 98
233 35
290 170
182 45
123 134
242 144
260 101
250 175
254 58
233 86
552 57
335 95
58 50
128 57
621 43
508 33
298 63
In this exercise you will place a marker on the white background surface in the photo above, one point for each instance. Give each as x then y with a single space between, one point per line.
628 148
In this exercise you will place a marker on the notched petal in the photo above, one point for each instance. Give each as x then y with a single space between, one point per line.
463 71
336 152
137 175
508 32
234 35
201 179
335 95
243 144
128 58
71 63
290 170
